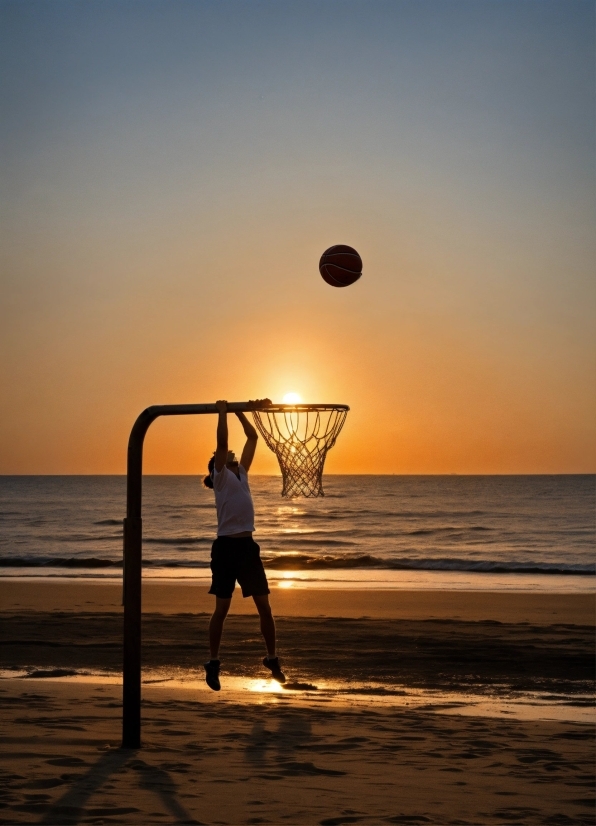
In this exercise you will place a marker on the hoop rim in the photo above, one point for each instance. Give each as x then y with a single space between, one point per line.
298 408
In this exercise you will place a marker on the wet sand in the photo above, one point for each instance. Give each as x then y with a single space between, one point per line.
272 761
166 597
304 756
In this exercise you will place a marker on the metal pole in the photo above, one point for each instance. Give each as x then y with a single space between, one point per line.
133 541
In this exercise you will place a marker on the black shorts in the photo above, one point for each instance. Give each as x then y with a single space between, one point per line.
237 558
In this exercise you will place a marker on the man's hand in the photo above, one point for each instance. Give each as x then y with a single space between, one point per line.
222 406
259 404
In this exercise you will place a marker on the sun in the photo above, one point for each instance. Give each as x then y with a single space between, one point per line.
291 398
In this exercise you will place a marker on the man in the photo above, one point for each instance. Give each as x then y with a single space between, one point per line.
235 556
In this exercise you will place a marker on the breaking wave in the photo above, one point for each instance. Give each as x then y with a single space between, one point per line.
308 562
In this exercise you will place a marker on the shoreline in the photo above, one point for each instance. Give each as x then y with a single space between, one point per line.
365 579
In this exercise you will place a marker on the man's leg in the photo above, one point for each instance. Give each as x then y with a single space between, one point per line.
268 631
267 623
216 624
222 606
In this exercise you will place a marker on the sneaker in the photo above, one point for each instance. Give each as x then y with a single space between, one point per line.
276 672
212 675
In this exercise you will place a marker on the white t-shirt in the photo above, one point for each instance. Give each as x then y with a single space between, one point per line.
235 510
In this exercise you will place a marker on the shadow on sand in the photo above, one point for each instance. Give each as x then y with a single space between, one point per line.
71 807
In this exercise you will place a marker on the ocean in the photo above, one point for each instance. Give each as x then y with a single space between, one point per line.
476 532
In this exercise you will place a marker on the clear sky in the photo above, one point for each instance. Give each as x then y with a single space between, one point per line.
173 170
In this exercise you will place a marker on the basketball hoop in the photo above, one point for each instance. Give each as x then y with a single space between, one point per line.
300 436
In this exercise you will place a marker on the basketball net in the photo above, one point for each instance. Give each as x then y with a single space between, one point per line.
300 436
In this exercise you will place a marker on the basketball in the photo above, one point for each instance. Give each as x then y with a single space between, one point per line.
340 266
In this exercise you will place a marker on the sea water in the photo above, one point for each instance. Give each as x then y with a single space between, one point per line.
479 532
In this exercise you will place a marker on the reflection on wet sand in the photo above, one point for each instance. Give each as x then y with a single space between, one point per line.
346 695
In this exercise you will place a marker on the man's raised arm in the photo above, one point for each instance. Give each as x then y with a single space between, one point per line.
251 434
221 452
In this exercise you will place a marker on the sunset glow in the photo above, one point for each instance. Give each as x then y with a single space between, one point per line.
167 212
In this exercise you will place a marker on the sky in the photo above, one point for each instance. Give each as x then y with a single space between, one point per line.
174 169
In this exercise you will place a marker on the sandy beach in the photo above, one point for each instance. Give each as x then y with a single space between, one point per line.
401 707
